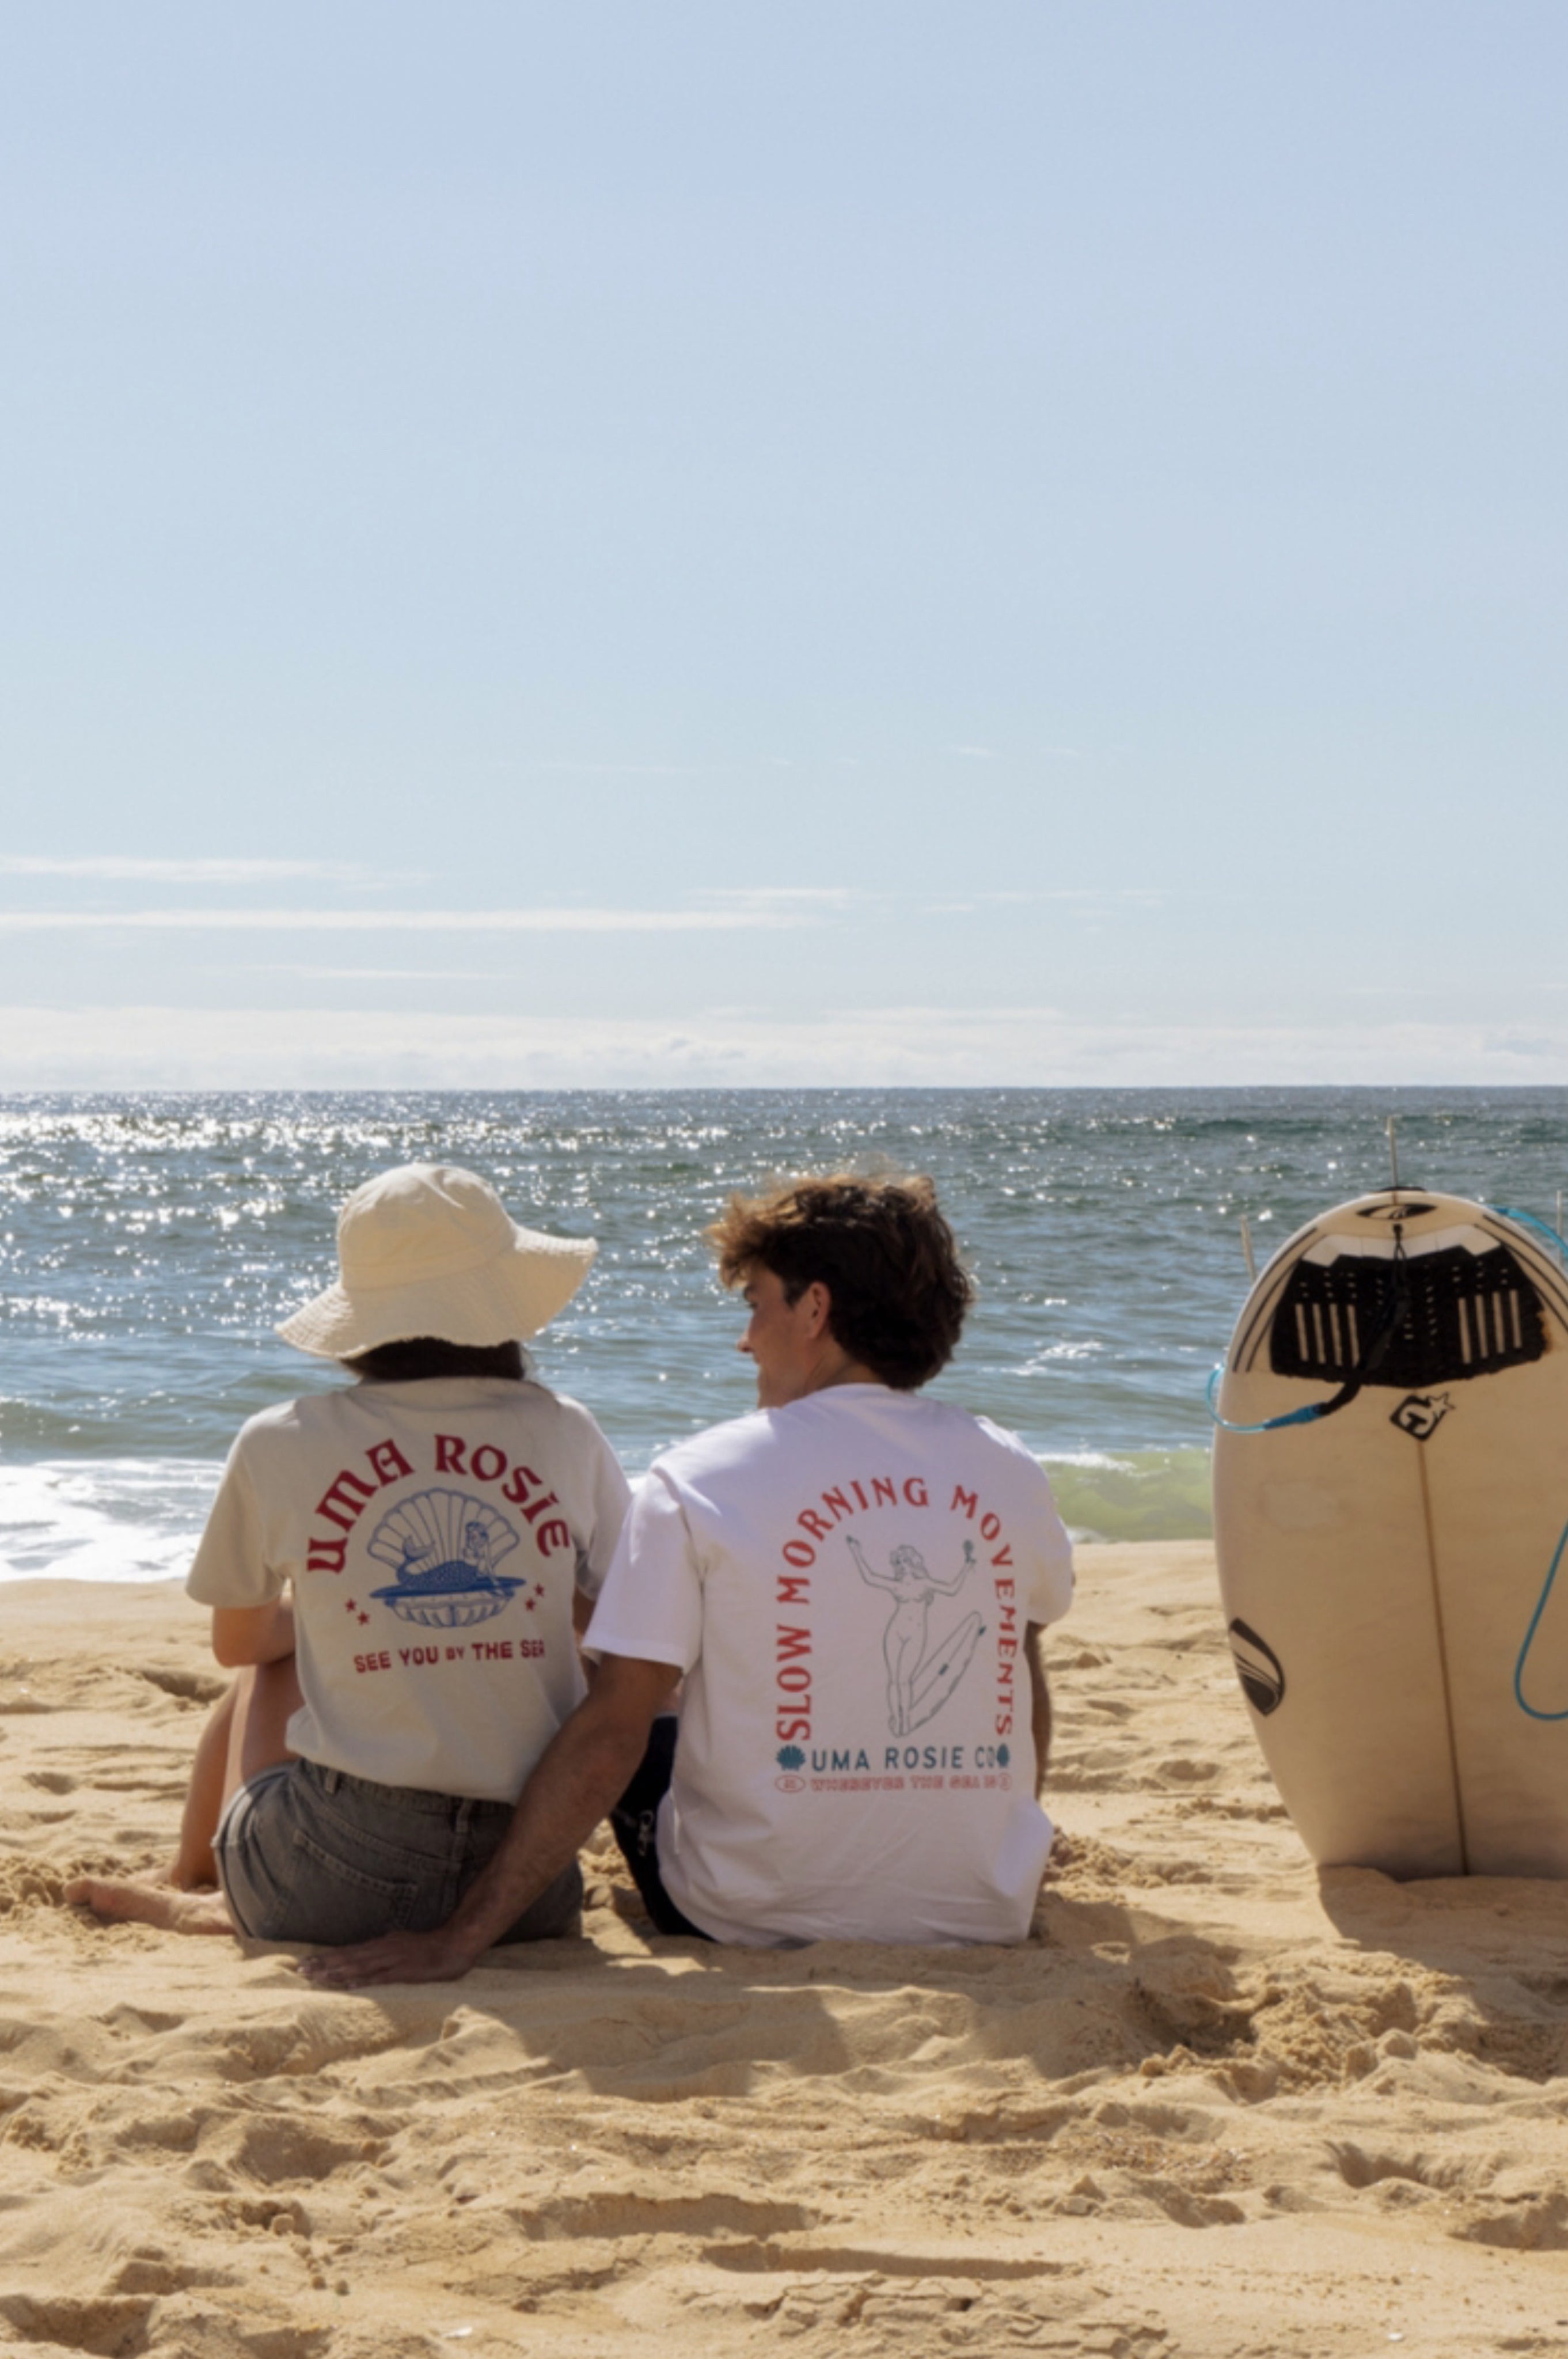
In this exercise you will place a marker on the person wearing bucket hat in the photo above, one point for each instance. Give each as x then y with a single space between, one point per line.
397 1569
431 1250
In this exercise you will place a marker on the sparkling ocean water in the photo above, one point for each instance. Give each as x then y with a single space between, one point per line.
148 1243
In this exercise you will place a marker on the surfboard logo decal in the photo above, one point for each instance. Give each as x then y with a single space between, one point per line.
1421 1414
1257 1667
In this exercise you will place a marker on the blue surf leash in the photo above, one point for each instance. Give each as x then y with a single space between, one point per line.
1308 1416
1529 1221
1544 1228
1519 1697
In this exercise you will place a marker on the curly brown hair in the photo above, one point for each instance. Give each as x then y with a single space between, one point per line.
880 1246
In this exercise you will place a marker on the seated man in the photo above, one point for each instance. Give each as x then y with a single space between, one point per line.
851 1581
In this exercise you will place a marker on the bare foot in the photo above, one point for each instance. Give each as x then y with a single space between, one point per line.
128 1903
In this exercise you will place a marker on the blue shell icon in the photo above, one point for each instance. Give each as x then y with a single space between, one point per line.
444 1547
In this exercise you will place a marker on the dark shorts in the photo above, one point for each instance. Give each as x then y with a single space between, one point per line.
312 1854
635 1821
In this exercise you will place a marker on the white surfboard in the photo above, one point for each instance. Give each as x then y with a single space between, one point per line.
1381 1565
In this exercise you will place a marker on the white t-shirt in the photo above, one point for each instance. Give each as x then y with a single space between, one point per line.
845 1584
433 1535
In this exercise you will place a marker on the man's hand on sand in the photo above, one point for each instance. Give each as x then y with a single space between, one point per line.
394 1958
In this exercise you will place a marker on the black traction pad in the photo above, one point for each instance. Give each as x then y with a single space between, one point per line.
1464 1314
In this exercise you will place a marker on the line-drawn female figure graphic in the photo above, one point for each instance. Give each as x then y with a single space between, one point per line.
921 1677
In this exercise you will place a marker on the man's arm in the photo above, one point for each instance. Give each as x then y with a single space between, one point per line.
1039 1700
253 1633
586 1769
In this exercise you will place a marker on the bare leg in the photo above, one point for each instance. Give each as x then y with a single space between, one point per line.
193 1863
267 1698
244 1734
126 1902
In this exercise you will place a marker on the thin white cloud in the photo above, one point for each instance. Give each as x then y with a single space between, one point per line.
399 921
757 896
122 868
1140 894
162 1047
371 974
621 769
975 752
717 910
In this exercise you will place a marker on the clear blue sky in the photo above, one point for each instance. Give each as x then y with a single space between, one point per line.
842 542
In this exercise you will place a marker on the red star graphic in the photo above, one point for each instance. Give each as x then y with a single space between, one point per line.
364 1617
350 1607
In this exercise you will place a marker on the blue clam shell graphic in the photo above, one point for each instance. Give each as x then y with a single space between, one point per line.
444 1547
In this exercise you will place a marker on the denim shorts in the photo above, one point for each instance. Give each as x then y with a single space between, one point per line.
312 1854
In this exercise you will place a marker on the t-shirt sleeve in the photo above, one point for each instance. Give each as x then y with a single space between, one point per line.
231 1566
651 1605
611 1497
1050 1585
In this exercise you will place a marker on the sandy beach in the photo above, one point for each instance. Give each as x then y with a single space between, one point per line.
1217 2104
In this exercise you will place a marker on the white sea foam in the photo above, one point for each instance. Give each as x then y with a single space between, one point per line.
1087 1348
104 1519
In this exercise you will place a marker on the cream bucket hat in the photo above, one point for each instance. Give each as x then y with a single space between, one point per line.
430 1250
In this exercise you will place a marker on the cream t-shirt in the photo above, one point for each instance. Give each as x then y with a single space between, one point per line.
845 1584
433 1535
